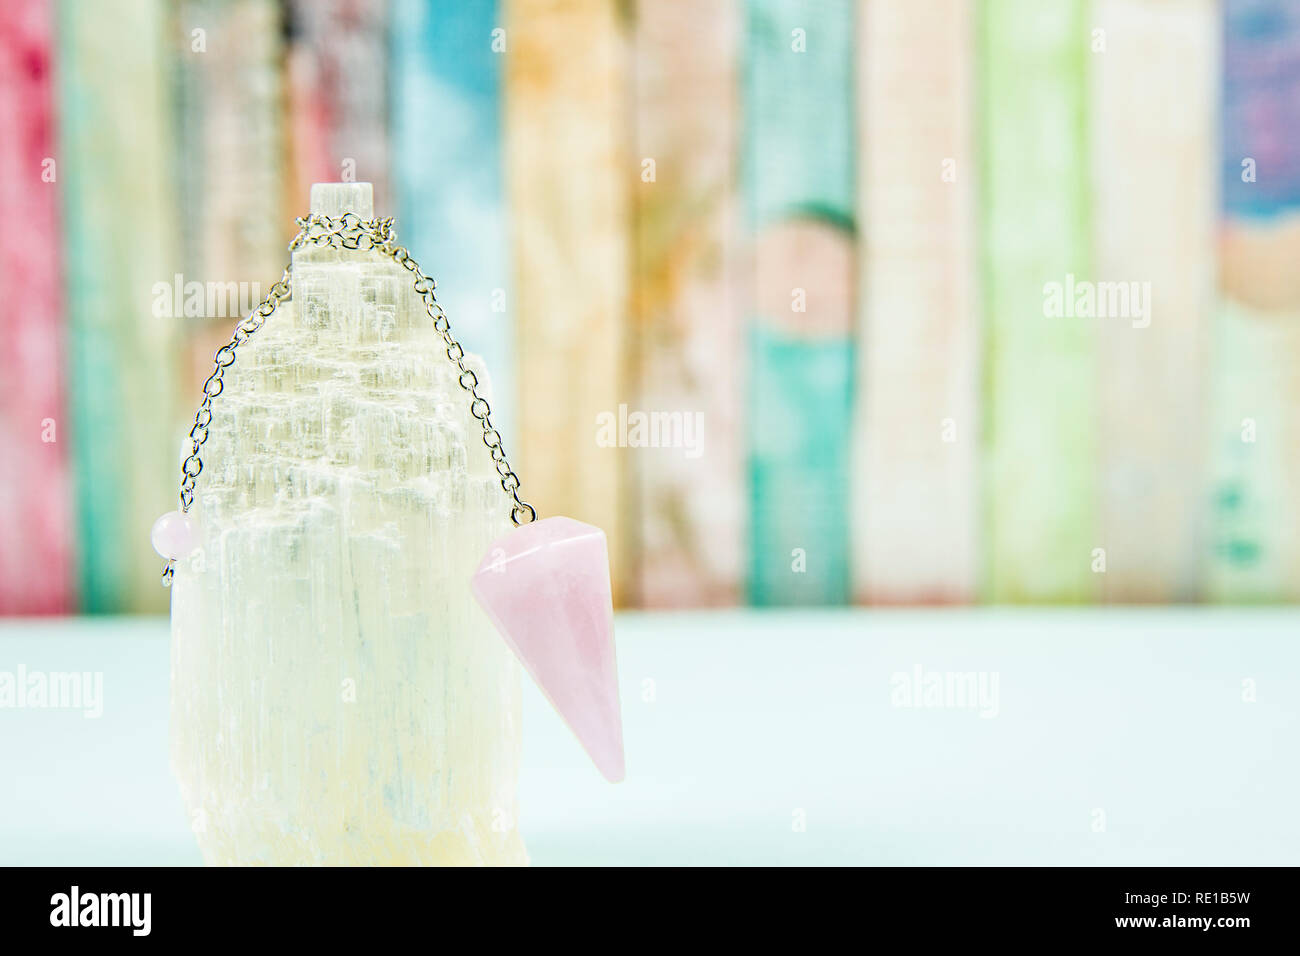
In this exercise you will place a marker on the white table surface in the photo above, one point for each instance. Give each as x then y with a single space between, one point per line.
1135 716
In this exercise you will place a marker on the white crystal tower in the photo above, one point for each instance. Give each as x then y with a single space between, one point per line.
337 695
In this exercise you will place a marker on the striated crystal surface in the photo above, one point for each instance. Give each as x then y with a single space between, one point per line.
337 695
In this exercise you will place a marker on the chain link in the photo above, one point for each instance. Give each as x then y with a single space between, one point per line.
349 231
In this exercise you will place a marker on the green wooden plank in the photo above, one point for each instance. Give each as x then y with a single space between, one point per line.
113 166
1039 391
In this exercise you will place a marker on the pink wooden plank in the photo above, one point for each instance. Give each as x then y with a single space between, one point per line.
35 508
687 317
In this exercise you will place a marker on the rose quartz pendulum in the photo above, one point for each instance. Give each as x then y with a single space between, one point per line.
545 586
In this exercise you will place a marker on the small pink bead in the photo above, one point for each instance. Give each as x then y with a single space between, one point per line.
174 535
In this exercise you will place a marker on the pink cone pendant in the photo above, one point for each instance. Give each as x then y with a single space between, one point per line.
545 586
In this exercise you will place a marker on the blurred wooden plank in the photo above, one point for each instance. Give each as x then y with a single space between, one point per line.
1040 484
115 143
36 556
797 161
337 64
1152 114
231 196
1254 550
568 177
450 176
688 359
1253 554
917 428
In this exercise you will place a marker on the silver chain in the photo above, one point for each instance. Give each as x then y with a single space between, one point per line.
348 231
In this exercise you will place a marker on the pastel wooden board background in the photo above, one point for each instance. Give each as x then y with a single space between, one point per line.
1151 136
37 573
691 502
568 177
447 72
1254 552
118 241
1039 458
916 432
740 215
798 182
338 81
230 176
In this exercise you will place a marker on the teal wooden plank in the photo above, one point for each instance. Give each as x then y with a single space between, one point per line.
800 504
446 77
798 185
114 172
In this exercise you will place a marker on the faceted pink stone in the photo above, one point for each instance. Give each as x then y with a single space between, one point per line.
174 535
545 586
